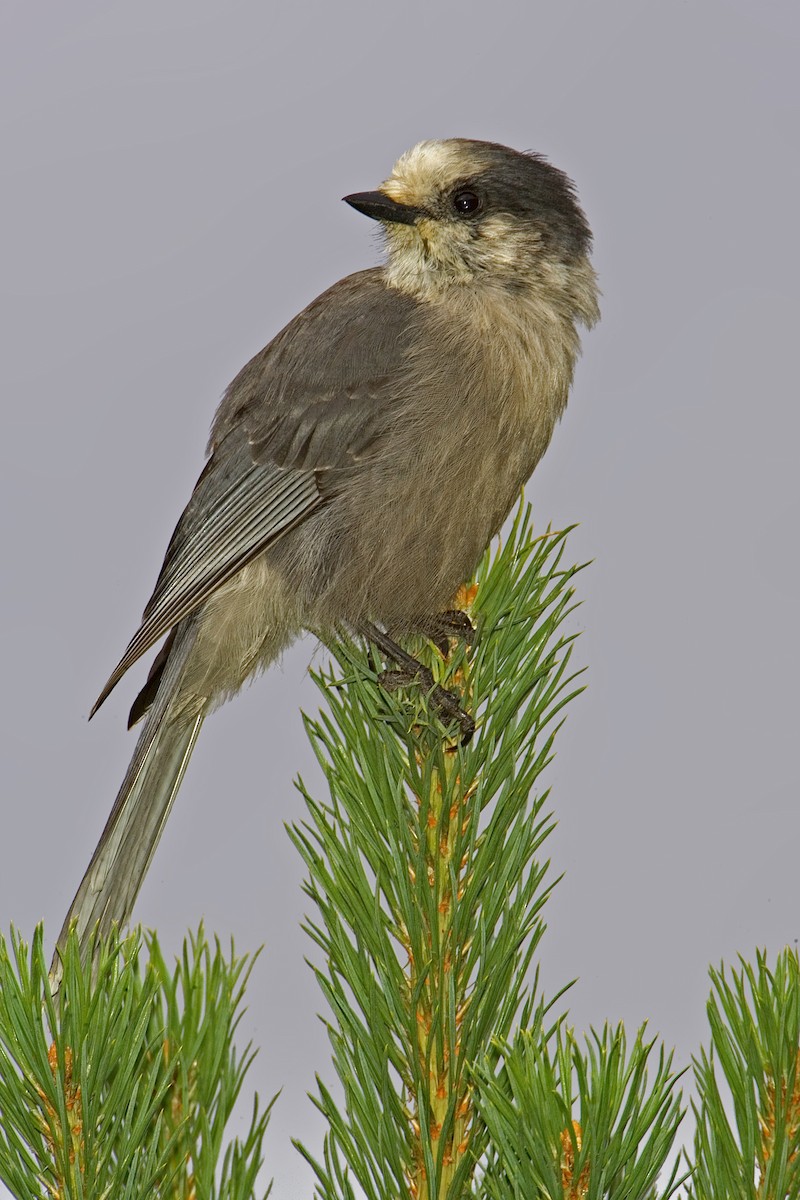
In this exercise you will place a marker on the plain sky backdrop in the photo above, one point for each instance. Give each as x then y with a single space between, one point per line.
171 174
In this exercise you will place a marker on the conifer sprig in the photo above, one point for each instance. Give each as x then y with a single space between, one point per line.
579 1119
457 1078
123 1086
424 868
747 1140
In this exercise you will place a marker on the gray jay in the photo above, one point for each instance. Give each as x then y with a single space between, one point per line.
360 464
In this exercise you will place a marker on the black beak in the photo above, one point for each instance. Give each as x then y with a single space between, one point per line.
381 207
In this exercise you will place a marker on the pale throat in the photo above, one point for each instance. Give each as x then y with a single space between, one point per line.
419 265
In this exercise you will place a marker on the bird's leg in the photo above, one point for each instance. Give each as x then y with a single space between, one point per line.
440 627
409 670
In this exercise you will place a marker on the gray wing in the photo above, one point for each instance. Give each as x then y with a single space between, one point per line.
316 400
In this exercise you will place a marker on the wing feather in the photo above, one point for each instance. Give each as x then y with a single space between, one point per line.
267 503
315 402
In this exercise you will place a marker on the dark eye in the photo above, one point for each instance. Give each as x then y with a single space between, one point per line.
466 203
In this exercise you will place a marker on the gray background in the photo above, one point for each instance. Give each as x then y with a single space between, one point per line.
170 181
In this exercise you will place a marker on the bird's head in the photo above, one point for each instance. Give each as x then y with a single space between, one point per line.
461 212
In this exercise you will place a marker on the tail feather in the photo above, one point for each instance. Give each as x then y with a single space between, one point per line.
128 842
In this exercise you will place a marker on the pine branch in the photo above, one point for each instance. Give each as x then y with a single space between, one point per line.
568 1121
426 869
124 1087
425 873
747 1141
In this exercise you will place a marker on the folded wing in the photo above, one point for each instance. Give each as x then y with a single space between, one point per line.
319 399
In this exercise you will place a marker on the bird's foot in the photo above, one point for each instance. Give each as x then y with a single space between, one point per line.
444 703
409 671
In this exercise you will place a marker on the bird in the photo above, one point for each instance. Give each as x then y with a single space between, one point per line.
359 464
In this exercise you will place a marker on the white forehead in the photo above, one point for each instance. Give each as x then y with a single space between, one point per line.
426 167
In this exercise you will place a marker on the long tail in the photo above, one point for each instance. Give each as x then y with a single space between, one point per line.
113 878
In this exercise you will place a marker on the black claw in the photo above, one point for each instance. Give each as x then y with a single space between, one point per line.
459 625
392 681
449 709
451 624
